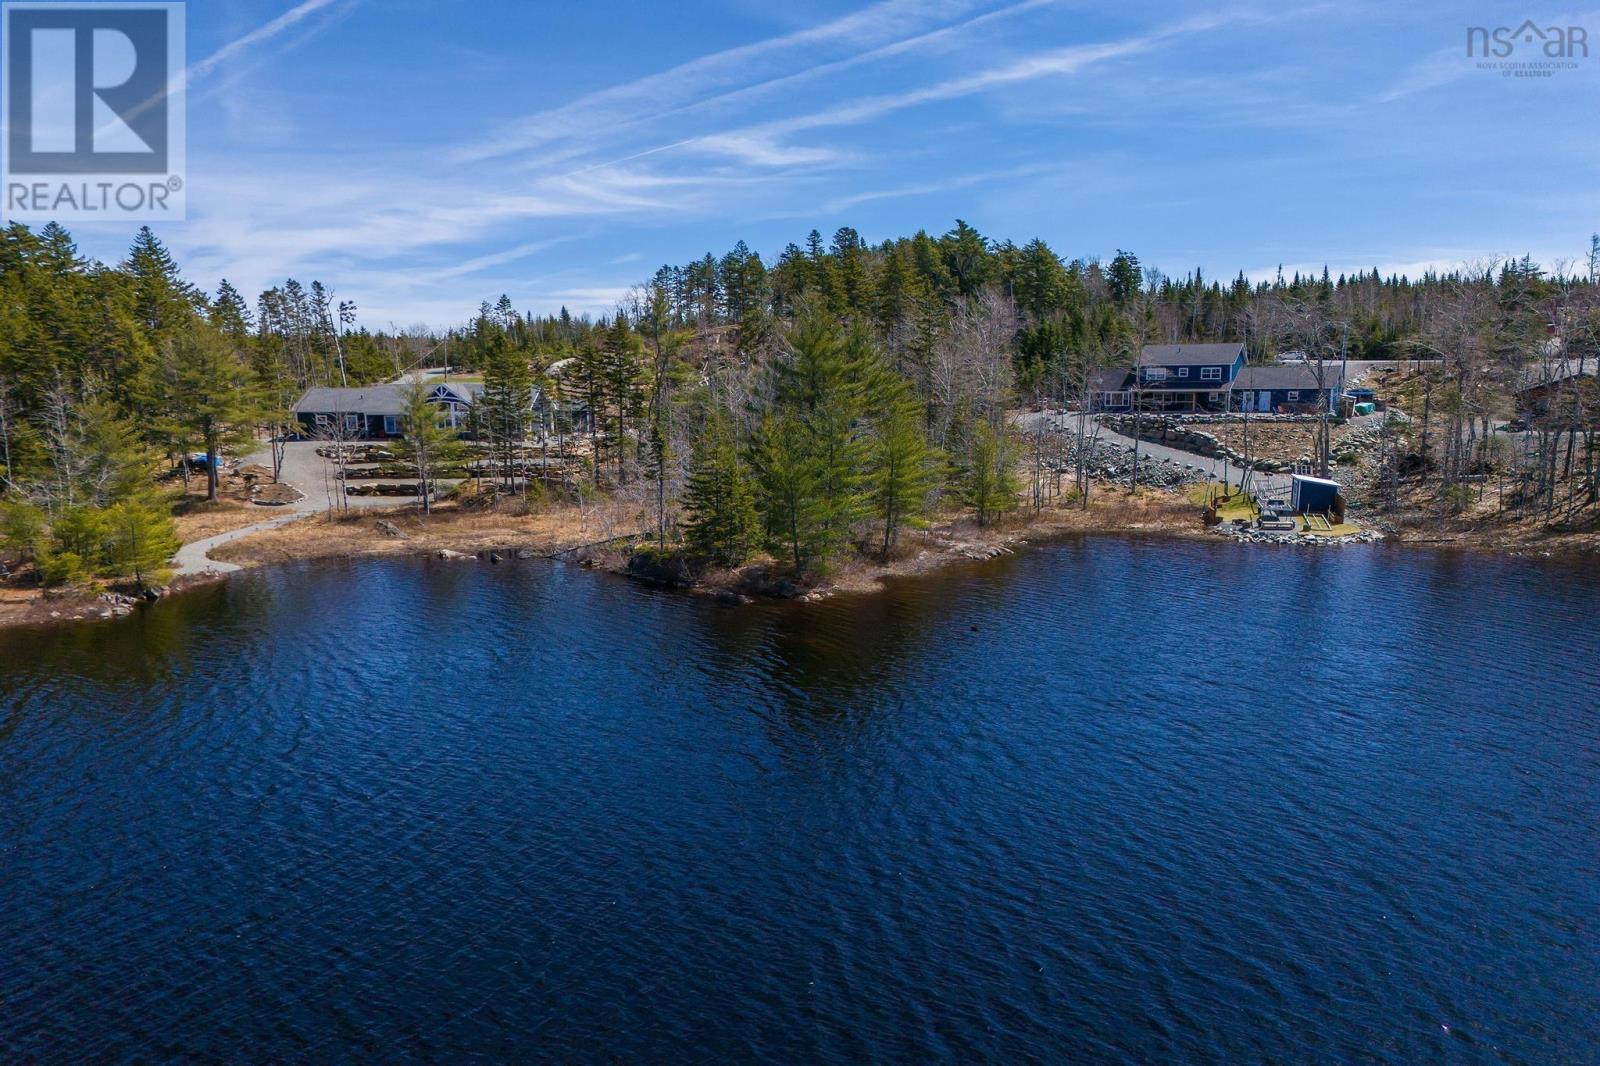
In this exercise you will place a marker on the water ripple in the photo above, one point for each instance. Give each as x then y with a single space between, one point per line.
1112 800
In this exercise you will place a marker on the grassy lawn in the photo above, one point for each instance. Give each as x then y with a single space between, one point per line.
1238 506
1343 529
1234 507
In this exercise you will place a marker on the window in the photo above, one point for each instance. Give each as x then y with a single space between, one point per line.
391 425
1294 394
1211 373
322 420
1183 371
1155 373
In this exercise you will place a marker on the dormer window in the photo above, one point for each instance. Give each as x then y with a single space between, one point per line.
1183 371
1211 373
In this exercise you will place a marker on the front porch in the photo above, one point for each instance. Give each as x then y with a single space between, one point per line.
1180 401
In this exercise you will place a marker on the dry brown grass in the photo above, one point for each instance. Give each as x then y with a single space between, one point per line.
1421 518
1280 441
195 519
1111 510
451 527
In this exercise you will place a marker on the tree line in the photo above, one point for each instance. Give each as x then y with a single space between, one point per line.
111 376
816 405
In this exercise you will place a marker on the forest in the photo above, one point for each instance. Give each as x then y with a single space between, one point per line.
816 407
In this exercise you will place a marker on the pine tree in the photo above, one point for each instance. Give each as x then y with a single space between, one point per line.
824 383
230 313
205 394
990 481
1124 277
966 255
623 371
589 379
429 441
507 401
790 493
22 529
141 539
112 462
719 498
163 301
901 464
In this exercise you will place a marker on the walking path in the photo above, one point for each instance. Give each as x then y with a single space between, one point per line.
302 471
195 557
1216 469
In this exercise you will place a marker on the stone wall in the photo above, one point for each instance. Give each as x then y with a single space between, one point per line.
1183 432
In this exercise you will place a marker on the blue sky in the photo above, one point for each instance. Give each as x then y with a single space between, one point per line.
420 157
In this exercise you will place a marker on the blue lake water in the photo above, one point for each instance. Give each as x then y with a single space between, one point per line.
1109 800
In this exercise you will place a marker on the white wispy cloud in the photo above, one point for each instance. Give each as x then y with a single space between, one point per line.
196 72
260 35
685 83
380 224
1056 62
757 149
959 35
419 236
963 181
1438 69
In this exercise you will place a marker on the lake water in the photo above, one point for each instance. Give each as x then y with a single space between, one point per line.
1109 800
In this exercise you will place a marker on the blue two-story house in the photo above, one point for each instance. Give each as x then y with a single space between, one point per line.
1171 377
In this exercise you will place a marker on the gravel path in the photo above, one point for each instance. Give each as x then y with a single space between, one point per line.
195 557
302 471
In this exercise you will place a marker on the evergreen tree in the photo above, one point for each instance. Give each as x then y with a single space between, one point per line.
1124 277
990 482
230 313
205 394
140 539
22 529
966 255
506 405
624 377
789 491
429 441
824 383
589 379
719 498
163 301
112 463
901 462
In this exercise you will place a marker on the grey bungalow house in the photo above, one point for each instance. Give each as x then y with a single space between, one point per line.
373 412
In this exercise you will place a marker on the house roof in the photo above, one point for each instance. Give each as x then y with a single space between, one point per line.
1190 354
369 400
462 391
1111 379
387 399
1295 376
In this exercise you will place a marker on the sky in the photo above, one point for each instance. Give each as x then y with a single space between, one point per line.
420 157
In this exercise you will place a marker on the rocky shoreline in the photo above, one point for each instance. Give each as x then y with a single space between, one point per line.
1250 535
